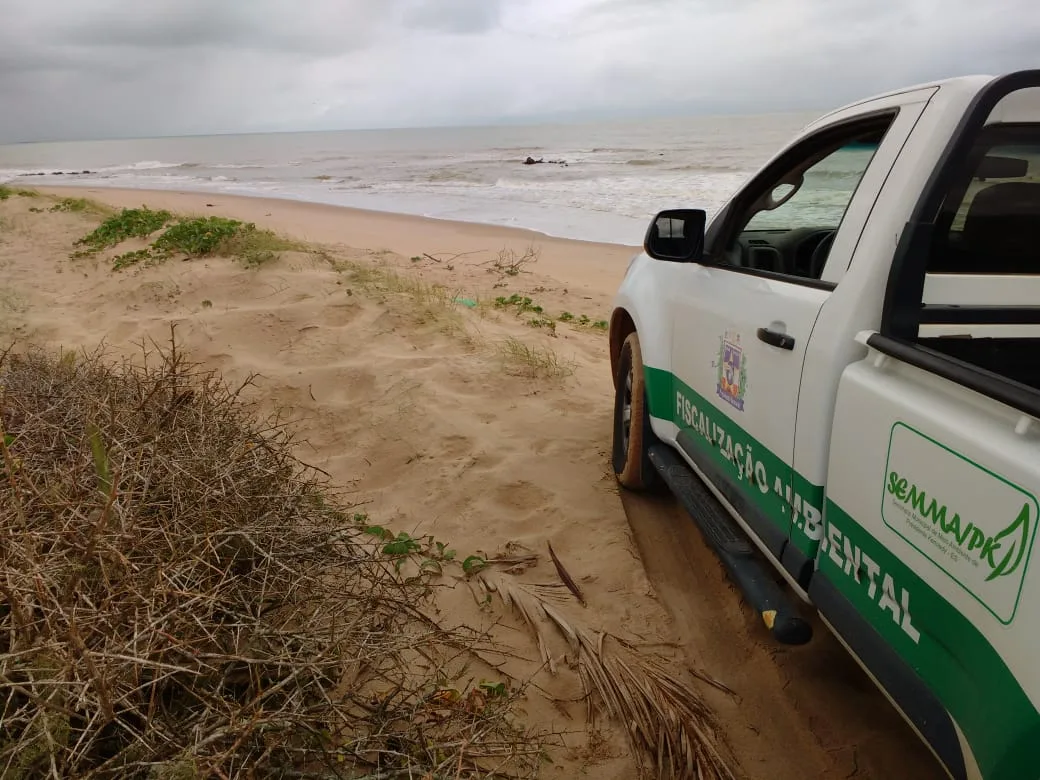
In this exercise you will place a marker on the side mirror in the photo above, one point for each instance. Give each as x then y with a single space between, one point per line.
677 234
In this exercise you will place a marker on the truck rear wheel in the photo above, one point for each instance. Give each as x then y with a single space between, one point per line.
633 435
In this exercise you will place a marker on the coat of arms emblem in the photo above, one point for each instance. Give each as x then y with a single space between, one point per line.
732 371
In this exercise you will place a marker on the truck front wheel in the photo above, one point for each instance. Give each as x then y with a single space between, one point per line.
632 433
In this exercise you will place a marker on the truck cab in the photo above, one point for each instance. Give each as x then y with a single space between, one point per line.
838 375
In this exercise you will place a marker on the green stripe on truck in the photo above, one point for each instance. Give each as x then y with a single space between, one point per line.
948 652
766 478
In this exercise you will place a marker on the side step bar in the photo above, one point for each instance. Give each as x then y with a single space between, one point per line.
732 547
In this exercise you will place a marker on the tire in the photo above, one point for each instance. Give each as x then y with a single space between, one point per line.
633 435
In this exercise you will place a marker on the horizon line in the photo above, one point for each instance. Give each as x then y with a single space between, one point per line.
530 121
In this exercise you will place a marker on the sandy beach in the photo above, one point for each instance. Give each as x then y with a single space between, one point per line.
441 412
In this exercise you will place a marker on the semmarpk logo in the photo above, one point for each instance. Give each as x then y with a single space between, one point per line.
1003 552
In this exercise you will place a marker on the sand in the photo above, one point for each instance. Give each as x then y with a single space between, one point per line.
436 420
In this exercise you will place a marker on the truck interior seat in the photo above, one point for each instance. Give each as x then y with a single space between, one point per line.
1001 236
1002 229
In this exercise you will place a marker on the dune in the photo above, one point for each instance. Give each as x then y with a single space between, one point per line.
453 380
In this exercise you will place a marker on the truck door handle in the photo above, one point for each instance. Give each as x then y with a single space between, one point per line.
772 337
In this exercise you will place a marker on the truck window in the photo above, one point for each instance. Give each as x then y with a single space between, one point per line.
990 219
785 221
963 293
988 225
825 193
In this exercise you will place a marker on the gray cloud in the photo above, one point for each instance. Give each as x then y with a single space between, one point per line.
265 25
454 16
96 68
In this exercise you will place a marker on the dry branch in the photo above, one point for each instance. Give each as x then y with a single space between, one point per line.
509 262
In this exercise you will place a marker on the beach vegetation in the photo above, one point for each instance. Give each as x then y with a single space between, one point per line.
7 191
198 236
544 322
255 246
188 236
532 361
127 259
522 304
81 206
432 301
222 237
127 224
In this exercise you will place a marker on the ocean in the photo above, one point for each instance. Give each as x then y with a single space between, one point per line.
599 182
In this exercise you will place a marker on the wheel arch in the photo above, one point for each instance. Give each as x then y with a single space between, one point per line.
655 334
621 325
643 305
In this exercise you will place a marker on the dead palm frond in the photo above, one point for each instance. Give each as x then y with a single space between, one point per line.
516 557
568 580
666 719
532 603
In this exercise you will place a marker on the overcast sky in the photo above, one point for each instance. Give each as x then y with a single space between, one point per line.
117 68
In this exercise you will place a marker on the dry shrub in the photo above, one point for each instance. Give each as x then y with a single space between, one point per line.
179 597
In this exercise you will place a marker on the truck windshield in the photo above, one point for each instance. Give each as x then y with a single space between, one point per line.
990 219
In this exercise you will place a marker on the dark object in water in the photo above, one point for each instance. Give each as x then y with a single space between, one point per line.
57 173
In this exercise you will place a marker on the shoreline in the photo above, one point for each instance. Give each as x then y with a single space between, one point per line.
391 209
590 265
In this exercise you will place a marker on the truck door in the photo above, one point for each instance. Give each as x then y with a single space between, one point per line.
744 317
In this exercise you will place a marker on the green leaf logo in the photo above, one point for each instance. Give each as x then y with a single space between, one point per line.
1018 533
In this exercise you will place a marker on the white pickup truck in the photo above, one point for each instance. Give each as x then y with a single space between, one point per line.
840 376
